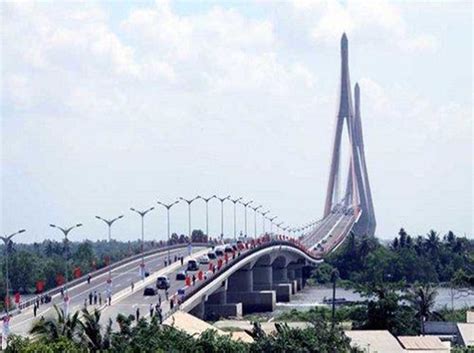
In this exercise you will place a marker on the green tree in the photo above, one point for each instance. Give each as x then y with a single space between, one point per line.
51 329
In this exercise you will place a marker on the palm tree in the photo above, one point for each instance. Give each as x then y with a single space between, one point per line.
432 243
92 335
61 326
422 299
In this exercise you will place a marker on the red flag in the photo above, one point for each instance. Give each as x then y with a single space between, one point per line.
59 279
77 272
210 266
17 298
188 281
200 275
39 286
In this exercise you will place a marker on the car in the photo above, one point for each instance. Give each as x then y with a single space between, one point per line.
235 247
162 282
149 291
181 276
203 260
229 249
211 255
219 252
147 274
193 265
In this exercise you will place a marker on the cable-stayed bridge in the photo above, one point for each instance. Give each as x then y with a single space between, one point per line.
255 273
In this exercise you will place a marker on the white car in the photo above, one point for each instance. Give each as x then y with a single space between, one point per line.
203 260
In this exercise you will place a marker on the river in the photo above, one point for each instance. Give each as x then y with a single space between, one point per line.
312 296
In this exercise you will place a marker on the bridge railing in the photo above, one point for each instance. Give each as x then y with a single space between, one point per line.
251 248
52 292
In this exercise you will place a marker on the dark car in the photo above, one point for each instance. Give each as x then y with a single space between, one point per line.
162 282
219 252
149 291
193 265
211 255
181 276
229 249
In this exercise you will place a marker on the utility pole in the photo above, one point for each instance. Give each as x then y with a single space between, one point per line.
222 213
189 202
235 216
109 223
263 220
7 240
255 209
142 214
245 204
168 207
206 200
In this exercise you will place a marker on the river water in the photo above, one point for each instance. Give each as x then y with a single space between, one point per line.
313 296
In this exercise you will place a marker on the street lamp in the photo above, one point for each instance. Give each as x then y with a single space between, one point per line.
235 216
222 213
206 200
168 207
109 223
245 204
271 223
279 225
189 202
263 220
142 214
65 232
255 209
7 240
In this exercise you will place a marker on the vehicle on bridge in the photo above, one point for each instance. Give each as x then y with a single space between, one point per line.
219 252
181 276
211 255
162 282
193 265
203 260
149 292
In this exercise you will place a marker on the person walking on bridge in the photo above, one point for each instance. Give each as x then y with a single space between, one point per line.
90 298
132 286
137 314
35 309
151 310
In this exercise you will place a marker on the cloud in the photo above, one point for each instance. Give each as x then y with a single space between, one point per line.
368 20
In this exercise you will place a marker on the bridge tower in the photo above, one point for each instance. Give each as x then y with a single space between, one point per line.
357 195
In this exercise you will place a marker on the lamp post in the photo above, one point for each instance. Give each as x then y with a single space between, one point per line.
279 225
142 214
235 216
189 202
65 232
263 220
245 204
109 223
271 223
206 200
222 213
255 209
7 240
168 207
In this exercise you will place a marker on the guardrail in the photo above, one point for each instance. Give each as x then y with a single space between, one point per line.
25 304
231 263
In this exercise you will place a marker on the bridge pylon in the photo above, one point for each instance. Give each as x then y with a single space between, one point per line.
357 196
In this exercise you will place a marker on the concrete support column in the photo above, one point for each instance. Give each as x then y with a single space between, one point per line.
262 277
198 311
241 281
280 275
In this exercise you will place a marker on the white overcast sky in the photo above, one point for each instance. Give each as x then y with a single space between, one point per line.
112 105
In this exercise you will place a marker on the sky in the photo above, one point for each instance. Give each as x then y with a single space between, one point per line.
112 105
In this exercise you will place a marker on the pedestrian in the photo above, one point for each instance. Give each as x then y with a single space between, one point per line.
35 309
151 310
175 258
132 285
38 301
89 277
90 298
160 315
194 279
100 298
85 303
166 263
138 314
171 304
62 292
182 260
109 299
166 294
95 297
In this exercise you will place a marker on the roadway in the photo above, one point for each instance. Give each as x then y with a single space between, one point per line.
122 277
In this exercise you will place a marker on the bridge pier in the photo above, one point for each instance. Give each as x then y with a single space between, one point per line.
240 289
282 285
217 307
